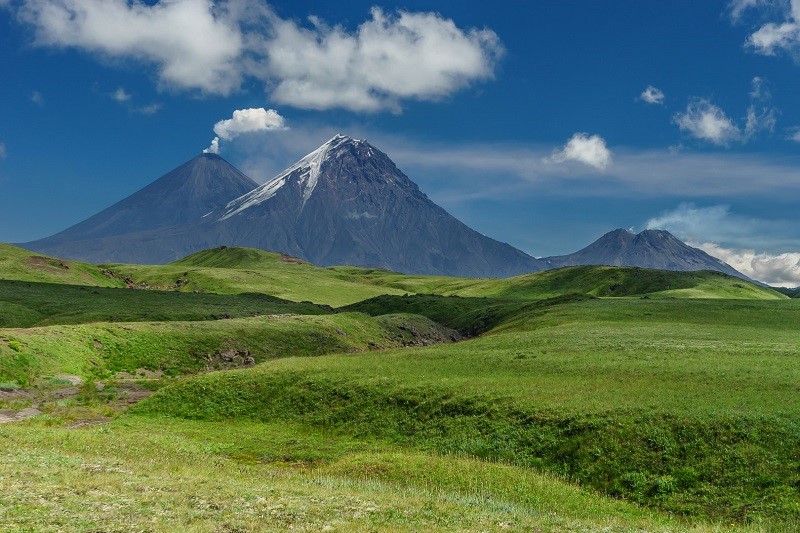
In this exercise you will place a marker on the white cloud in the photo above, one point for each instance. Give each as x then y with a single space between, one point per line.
759 120
738 7
760 90
795 136
772 37
2 150
589 150
149 109
213 148
193 43
214 47
388 58
248 121
120 95
693 223
706 121
652 95
37 98
779 270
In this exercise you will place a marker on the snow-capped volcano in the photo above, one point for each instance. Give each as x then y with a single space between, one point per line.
345 203
305 172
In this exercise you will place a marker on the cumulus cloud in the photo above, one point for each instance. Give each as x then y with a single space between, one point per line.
779 270
782 35
386 59
37 98
248 121
120 95
214 47
214 148
194 44
652 95
706 121
589 150
2 150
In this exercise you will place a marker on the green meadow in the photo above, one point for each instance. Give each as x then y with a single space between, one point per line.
580 399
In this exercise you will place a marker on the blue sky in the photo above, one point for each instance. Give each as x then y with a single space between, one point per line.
543 124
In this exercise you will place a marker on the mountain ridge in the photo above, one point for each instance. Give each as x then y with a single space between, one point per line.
345 203
651 248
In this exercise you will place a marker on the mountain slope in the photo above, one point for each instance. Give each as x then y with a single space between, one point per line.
656 249
347 203
183 196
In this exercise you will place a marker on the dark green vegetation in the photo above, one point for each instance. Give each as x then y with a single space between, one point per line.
590 280
791 293
677 392
26 304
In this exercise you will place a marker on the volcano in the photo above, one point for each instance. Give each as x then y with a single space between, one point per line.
345 203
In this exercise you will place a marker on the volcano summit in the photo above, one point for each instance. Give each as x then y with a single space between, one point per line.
345 203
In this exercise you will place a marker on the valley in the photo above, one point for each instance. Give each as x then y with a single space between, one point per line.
263 392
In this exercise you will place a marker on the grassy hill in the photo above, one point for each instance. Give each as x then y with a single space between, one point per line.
25 304
601 281
232 270
588 398
237 270
791 293
23 265
688 406
98 350
253 476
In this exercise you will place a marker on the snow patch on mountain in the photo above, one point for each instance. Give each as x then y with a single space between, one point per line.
306 172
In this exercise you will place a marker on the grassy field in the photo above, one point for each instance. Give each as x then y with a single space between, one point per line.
98 350
237 270
588 280
584 399
23 265
26 304
688 406
252 476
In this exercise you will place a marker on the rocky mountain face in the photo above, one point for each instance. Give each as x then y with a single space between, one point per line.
179 198
649 249
346 203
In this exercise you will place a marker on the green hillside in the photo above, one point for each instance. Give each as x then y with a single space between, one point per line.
98 350
585 399
689 406
232 270
23 265
25 304
236 270
791 293
590 280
